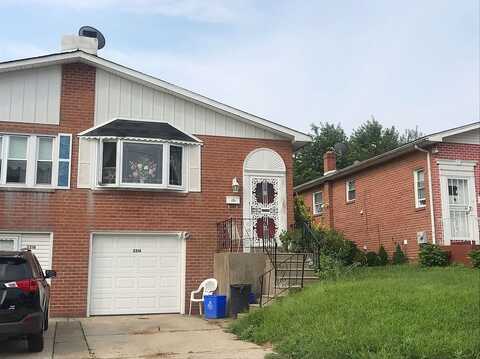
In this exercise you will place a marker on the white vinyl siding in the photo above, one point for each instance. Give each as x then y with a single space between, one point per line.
31 96
119 97
317 203
419 187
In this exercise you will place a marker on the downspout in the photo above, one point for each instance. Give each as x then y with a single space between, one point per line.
430 191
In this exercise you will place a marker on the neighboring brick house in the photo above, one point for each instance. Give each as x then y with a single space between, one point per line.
426 190
125 210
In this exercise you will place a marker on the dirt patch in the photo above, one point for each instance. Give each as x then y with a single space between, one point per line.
146 331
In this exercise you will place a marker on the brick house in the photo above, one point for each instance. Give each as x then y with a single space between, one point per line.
117 179
426 190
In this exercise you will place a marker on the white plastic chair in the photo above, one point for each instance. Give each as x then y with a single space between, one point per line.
209 286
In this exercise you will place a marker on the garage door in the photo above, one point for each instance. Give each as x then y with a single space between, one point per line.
39 243
135 274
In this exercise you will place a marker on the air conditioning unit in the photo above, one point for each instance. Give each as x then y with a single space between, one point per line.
422 237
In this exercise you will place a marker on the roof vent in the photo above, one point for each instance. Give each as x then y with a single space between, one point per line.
88 40
89 31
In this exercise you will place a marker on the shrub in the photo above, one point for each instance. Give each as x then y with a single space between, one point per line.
399 256
360 258
432 255
329 267
372 259
382 256
292 240
301 212
475 258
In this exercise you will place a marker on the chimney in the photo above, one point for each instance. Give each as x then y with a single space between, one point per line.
75 42
329 162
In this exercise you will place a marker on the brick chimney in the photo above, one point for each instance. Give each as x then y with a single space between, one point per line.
329 162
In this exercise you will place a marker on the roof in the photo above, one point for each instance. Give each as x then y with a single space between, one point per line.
139 130
421 142
298 138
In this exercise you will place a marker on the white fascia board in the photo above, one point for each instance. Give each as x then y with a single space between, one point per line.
78 55
438 137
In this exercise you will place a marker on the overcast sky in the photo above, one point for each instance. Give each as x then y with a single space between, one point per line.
409 62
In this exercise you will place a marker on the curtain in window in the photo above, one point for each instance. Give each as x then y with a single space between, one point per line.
175 166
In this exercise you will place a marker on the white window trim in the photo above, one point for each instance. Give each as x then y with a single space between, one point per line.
32 155
165 185
37 160
418 205
347 192
315 212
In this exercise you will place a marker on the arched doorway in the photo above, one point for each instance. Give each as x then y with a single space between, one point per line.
264 197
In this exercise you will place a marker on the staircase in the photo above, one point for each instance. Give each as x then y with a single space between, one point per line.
284 271
289 271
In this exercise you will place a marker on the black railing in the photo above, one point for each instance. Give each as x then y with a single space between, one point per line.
246 234
286 274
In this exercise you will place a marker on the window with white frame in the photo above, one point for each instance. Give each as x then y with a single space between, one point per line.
32 160
125 163
351 191
317 203
419 185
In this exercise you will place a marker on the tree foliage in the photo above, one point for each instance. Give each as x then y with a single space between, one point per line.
368 140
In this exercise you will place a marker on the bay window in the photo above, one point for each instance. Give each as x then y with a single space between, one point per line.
140 164
35 160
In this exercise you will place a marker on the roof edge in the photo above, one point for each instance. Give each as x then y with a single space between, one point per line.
297 137
384 157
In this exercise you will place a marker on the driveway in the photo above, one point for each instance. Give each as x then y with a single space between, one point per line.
170 336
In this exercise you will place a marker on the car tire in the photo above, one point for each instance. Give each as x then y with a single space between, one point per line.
35 342
45 324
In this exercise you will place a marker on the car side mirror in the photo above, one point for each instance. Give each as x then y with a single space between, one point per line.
50 274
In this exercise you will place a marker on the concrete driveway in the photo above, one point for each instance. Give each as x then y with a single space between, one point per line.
169 336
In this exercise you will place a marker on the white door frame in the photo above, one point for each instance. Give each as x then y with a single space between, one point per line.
458 169
182 236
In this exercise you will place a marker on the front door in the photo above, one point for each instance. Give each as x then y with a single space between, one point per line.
459 209
9 242
267 210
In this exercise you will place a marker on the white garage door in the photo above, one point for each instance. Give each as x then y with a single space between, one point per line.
135 274
39 243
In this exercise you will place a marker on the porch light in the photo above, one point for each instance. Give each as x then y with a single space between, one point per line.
235 185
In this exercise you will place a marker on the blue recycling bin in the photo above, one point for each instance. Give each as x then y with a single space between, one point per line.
215 306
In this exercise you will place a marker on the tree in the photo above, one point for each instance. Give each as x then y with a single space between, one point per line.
410 135
309 160
372 139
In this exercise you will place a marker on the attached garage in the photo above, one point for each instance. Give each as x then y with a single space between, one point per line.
39 243
136 274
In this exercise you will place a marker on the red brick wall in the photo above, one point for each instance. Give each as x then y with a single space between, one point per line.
73 214
384 210
452 151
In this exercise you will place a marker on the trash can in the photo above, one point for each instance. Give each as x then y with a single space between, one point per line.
215 306
239 298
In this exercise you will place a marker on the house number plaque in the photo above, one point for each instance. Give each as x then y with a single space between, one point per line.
137 250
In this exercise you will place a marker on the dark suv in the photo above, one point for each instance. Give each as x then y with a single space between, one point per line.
24 298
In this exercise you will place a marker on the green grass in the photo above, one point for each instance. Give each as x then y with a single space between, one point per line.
390 312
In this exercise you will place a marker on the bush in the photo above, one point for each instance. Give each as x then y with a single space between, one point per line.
382 256
372 259
329 267
475 258
301 212
292 240
399 256
432 255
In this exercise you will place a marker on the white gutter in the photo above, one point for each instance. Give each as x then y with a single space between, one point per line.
430 191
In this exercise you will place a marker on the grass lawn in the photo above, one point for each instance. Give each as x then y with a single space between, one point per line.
388 312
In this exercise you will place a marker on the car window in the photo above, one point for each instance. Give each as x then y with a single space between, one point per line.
38 267
14 269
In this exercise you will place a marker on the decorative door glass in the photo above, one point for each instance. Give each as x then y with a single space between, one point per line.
459 208
264 207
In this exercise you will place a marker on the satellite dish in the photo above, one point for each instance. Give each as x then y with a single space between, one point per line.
89 31
340 148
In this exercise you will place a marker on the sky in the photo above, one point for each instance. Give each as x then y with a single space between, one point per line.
408 63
